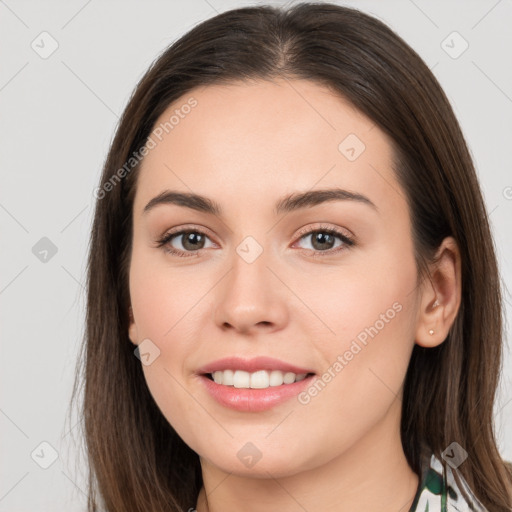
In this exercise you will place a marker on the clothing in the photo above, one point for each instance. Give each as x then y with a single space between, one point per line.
439 492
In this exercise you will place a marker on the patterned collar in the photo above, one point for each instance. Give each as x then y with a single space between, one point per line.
439 492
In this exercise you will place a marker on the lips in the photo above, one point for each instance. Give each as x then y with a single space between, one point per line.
251 365
248 399
254 400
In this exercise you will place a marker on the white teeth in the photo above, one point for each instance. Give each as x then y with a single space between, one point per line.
257 380
227 377
289 378
260 380
241 379
276 378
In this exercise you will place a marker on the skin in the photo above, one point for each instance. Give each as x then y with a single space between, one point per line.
246 146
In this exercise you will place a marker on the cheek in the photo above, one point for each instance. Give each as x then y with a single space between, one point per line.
364 368
374 320
163 298
369 307
362 294
181 409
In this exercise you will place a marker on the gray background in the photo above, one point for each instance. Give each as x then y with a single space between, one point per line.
58 115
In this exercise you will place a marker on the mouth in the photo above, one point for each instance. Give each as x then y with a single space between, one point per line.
253 385
261 379
254 392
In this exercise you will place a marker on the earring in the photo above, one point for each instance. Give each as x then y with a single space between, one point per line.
431 331
436 303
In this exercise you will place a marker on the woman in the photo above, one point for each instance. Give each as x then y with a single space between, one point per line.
334 338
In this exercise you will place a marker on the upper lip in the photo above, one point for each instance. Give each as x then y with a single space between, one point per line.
251 365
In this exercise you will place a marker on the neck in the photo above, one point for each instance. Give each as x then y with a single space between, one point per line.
372 474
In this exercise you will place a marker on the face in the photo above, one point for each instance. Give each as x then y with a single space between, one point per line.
326 285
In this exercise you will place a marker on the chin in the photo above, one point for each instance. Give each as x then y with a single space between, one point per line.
249 461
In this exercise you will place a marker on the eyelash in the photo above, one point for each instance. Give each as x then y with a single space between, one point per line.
347 241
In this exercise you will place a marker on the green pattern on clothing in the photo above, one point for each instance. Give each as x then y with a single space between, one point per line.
439 492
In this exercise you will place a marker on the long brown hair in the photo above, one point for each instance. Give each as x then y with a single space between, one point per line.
137 461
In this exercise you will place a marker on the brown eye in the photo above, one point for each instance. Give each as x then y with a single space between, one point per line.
323 240
191 241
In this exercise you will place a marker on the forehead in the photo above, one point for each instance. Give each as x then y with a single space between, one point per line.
246 141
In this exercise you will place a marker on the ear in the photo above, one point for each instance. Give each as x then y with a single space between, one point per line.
441 296
132 329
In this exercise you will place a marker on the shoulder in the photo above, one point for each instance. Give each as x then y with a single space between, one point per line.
460 497
438 490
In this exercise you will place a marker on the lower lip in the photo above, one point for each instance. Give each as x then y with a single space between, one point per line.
254 400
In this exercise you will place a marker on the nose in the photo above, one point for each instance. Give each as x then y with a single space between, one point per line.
251 298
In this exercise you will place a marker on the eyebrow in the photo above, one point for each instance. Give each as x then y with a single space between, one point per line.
289 203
